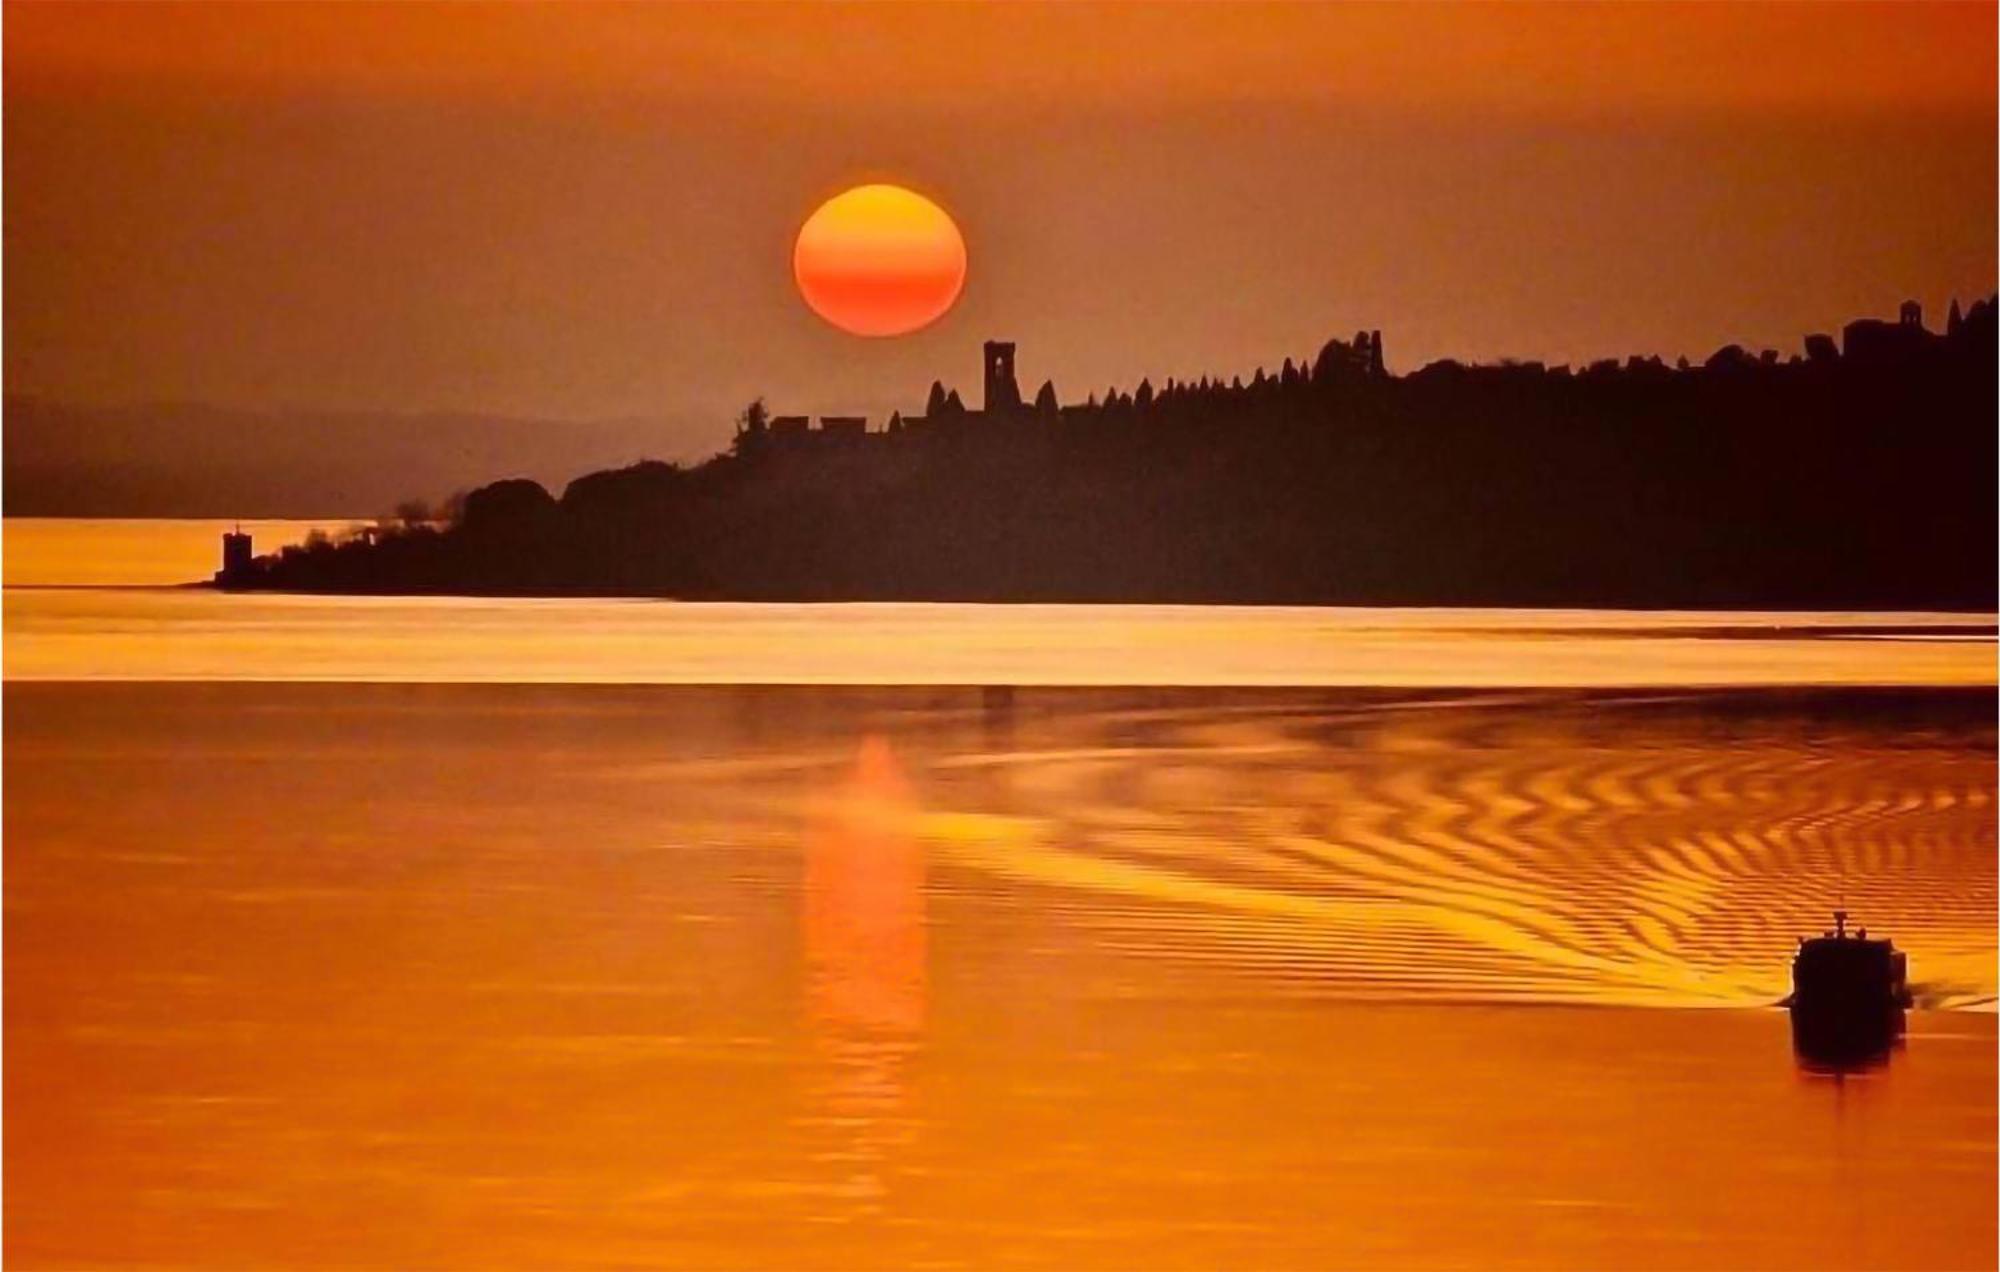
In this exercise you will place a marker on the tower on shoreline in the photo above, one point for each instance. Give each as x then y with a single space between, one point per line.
236 555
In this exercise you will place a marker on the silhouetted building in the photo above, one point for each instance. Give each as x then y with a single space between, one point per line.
236 556
1874 338
1338 358
1003 395
790 430
1282 491
843 428
1730 357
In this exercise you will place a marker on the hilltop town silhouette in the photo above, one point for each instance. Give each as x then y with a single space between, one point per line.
1857 473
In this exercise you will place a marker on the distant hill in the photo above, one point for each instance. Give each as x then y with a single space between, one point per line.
1857 474
203 461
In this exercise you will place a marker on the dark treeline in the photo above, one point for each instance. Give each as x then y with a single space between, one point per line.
1859 475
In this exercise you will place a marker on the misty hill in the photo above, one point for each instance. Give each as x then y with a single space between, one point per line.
202 461
1859 474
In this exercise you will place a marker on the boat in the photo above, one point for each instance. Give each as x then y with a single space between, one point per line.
1849 992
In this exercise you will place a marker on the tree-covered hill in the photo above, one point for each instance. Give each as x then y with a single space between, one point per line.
1855 477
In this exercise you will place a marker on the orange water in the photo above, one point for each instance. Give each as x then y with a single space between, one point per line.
134 552
531 976
128 626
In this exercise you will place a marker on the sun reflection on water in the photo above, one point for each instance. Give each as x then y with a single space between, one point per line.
862 907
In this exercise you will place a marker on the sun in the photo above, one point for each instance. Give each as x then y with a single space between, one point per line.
879 260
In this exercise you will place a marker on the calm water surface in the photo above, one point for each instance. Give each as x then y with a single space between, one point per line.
139 552
130 626
473 976
407 974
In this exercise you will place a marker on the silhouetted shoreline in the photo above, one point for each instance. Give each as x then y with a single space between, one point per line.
1857 475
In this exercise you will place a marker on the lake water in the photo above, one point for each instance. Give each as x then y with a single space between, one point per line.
1439 969
97 600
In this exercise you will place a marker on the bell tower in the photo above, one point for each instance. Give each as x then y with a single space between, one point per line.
236 556
1003 395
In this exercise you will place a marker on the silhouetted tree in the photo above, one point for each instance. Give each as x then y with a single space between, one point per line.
1045 399
413 512
751 424
1511 484
934 403
510 503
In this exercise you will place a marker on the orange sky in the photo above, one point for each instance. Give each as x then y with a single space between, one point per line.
1582 57
579 210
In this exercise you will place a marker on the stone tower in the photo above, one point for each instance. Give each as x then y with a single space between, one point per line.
1003 395
236 556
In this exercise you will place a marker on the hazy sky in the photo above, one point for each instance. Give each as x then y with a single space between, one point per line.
580 211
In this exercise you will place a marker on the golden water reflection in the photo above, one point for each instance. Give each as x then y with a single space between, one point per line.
532 976
148 552
862 898
193 634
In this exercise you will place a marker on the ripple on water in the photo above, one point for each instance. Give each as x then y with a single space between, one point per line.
1566 848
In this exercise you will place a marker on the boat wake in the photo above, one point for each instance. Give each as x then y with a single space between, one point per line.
1547 848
